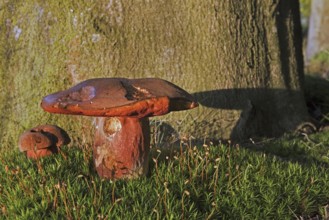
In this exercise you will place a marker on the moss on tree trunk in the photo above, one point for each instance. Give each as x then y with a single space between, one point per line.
242 60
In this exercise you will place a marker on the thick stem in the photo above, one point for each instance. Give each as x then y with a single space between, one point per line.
121 147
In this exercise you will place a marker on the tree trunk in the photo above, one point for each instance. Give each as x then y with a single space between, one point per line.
318 33
257 90
241 59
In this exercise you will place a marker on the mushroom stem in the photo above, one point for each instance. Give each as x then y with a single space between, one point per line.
38 153
121 147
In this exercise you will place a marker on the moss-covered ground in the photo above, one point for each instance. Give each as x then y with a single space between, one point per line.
284 178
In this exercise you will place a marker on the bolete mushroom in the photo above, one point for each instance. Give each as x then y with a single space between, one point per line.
122 138
42 141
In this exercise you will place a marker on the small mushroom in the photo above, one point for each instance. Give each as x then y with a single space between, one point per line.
58 136
122 138
42 141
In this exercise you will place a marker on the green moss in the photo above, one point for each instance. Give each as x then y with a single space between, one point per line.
281 179
34 64
305 7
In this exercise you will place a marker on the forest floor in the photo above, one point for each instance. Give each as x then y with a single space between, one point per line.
270 179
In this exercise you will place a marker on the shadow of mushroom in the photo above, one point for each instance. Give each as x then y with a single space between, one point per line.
259 115
316 92
264 112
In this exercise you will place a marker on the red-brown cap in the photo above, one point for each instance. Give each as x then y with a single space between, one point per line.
31 140
58 136
120 97
42 141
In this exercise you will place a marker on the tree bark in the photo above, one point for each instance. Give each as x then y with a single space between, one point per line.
259 82
241 59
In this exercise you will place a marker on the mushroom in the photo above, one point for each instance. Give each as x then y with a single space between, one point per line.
122 137
42 141
58 135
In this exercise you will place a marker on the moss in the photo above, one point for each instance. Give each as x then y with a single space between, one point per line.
305 7
35 64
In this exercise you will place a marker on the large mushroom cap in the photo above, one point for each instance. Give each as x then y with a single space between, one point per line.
117 97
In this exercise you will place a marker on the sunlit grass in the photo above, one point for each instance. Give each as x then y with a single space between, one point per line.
282 179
